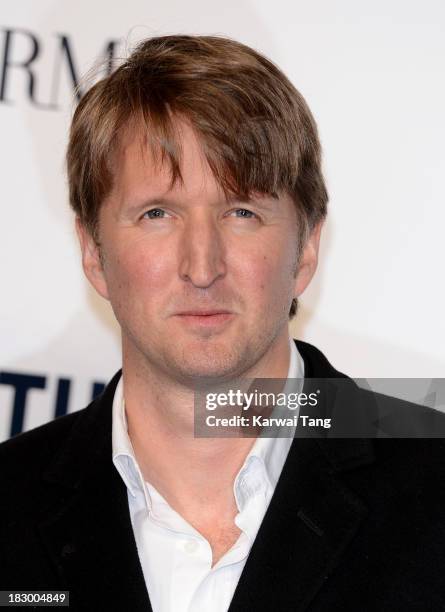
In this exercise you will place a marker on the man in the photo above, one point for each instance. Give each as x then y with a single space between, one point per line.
195 176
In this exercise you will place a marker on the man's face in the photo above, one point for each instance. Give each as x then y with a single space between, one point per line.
201 286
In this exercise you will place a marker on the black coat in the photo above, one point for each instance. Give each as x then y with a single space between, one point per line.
353 525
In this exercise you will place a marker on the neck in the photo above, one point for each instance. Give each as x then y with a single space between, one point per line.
182 468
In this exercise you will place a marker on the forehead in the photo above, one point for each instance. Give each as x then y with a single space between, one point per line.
147 161
143 172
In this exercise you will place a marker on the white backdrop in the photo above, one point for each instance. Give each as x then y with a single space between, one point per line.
373 75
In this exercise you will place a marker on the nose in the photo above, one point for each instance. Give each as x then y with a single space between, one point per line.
202 251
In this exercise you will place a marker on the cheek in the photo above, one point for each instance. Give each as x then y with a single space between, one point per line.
136 273
268 276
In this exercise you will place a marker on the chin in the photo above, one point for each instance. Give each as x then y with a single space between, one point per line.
219 363
206 369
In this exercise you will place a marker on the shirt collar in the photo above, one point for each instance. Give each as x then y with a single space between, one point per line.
262 466
123 453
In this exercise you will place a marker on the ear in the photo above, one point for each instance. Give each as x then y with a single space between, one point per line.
308 261
91 260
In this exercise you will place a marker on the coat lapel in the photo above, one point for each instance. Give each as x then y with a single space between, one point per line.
88 534
310 521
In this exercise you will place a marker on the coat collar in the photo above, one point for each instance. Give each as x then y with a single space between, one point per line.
311 519
309 523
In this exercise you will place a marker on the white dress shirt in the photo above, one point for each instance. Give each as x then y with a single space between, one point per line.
176 559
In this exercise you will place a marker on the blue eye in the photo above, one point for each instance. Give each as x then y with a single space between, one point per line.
154 213
244 213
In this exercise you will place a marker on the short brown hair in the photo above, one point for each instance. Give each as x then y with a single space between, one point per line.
257 132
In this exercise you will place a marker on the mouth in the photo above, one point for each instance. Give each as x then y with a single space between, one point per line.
205 318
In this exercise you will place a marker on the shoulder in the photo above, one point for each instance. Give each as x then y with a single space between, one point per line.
24 458
358 410
31 451
316 364
24 462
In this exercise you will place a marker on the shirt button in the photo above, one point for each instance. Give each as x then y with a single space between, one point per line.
191 546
